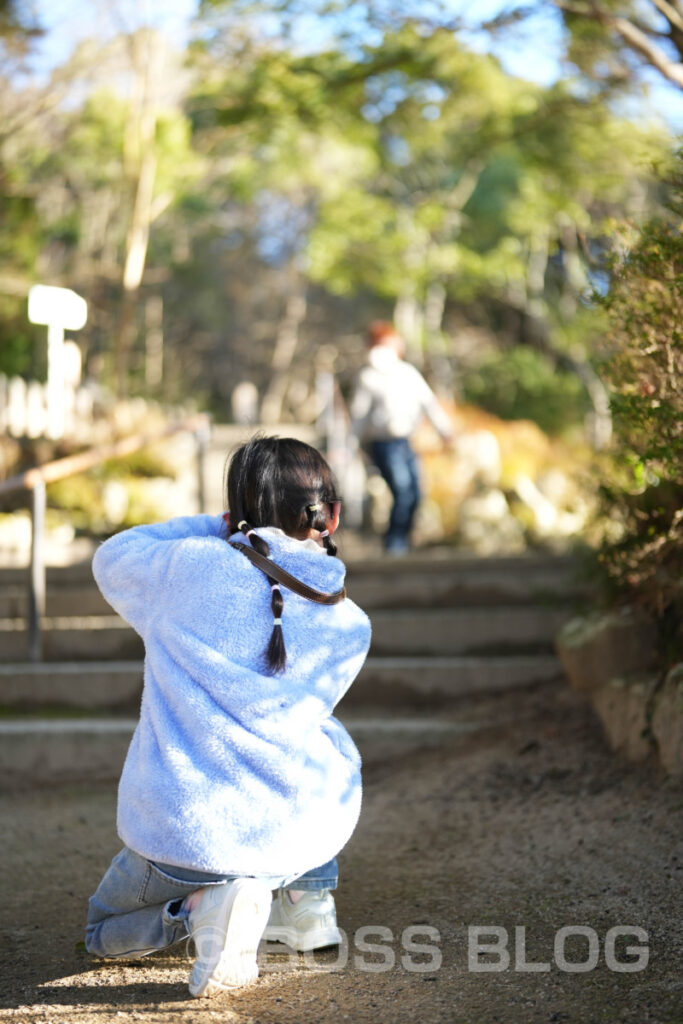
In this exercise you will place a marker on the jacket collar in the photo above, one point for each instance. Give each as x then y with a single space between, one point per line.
305 559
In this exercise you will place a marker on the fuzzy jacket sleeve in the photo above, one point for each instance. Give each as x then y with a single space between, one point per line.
124 565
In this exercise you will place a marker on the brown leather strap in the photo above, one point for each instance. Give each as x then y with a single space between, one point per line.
291 582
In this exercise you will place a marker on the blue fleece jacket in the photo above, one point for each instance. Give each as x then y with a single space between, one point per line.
231 769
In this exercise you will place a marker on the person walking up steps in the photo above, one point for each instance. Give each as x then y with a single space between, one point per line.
390 400
238 780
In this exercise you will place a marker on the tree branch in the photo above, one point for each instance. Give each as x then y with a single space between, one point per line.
633 36
673 16
581 10
652 53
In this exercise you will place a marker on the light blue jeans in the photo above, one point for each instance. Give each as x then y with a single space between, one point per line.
138 906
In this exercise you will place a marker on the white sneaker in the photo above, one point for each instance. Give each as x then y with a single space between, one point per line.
226 927
310 923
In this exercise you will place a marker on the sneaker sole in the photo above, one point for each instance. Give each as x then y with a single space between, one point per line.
319 939
246 916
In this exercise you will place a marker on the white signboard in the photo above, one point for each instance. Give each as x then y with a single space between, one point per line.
58 306
60 309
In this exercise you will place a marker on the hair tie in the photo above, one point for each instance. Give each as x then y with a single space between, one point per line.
325 533
242 523
274 586
277 622
313 508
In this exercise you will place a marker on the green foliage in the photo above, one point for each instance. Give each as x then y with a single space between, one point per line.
21 237
519 383
475 177
645 373
22 345
146 462
383 167
82 497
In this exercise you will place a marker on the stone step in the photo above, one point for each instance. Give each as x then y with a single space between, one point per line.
55 575
464 586
87 685
484 631
386 681
425 631
72 599
38 751
468 589
443 559
117 685
467 586
437 579
425 561
73 638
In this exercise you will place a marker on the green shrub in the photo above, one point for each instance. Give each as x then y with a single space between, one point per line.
645 375
147 462
522 384
82 497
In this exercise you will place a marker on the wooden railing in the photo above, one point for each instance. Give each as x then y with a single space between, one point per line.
35 482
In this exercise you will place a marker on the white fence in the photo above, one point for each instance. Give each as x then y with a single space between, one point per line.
24 409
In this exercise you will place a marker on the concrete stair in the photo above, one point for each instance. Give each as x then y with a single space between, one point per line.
56 750
71 685
417 631
444 627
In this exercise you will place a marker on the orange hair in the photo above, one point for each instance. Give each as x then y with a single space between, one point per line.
379 330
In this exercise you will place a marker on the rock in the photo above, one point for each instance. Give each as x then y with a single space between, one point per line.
15 533
487 526
556 487
606 645
115 501
478 458
622 705
548 519
667 722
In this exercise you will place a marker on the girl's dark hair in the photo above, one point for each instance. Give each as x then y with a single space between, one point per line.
279 481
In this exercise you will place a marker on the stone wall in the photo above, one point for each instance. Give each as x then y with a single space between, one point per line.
611 658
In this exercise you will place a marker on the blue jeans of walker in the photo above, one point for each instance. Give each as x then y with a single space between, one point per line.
138 906
396 461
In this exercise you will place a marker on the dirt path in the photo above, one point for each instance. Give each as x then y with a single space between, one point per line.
524 820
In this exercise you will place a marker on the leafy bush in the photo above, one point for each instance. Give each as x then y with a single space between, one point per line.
645 374
520 383
115 493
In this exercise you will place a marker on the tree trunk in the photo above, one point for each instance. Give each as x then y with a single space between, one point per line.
409 322
140 152
599 422
438 365
286 342
154 342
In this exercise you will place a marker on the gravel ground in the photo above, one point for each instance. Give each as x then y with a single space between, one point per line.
512 814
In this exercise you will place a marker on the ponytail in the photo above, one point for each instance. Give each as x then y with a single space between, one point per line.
276 653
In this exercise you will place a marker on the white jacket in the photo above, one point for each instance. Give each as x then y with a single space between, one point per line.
391 398
231 769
